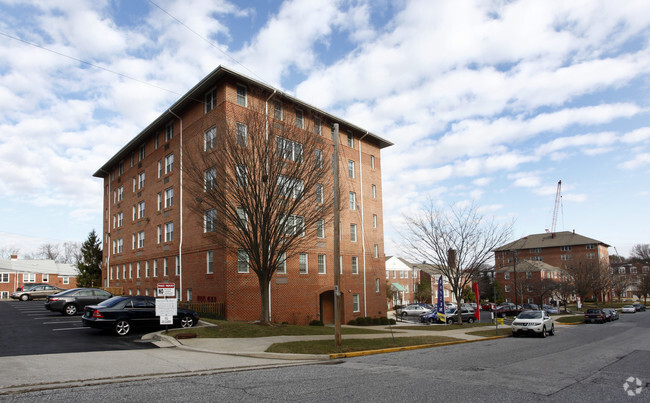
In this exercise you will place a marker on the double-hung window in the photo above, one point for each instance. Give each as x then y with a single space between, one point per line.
320 228
169 163
210 100
318 156
242 97
355 265
210 178
169 231
242 176
353 201
169 131
141 209
319 193
277 110
141 152
289 149
304 263
242 134
169 197
353 232
140 180
242 261
350 169
350 140
209 260
300 118
210 138
243 218
141 239
322 267
210 220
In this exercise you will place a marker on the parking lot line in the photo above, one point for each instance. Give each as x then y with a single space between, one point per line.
60 322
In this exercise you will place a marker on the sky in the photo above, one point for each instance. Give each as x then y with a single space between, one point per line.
490 102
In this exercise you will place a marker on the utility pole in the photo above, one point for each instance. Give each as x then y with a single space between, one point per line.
337 242
514 255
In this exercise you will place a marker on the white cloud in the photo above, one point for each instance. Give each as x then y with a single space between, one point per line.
638 161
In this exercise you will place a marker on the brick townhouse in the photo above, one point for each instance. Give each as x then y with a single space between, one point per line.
404 279
152 235
540 256
626 279
16 272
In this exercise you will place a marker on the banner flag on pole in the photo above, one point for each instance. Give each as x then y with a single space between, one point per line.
477 313
441 297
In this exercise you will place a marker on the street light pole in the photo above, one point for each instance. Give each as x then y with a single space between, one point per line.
337 242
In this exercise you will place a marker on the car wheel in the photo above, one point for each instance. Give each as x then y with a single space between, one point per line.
122 327
552 332
432 321
187 321
70 309
24 297
450 321
543 331
470 320
403 314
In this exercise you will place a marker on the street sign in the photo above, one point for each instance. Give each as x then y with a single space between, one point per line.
166 289
166 309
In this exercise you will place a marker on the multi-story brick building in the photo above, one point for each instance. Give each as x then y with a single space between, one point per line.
152 235
16 272
544 256
626 279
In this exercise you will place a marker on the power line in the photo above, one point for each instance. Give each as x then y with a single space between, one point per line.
209 42
88 63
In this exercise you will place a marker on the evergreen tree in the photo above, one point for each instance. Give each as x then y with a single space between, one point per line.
90 262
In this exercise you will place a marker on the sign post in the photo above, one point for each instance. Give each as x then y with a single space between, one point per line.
166 309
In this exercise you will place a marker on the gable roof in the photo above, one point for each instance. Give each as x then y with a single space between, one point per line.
37 266
549 240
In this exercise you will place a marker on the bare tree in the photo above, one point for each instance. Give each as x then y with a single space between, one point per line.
620 282
8 251
644 286
431 233
71 253
261 188
49 251
589 276
565 289
542 288
640 252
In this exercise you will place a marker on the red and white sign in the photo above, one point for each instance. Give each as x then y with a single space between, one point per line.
166 289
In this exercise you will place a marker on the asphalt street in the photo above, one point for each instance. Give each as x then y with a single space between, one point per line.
580 363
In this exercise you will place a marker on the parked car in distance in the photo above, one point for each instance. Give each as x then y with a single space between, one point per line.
536 322
595 315
612 312
428 306
430 317
507 309
530 307
35 291
628 309
450 316
488 306
414 310
639 307
473 305
550 309
70 302
122 314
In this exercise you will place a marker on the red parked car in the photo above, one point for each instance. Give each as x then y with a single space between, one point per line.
488 306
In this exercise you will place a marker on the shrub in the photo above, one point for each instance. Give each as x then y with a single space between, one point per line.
316 322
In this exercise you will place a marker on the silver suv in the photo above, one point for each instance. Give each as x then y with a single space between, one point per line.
35 291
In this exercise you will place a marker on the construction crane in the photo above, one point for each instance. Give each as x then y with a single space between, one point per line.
558 197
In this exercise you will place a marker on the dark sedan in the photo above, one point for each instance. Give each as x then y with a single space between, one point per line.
122 314
70 302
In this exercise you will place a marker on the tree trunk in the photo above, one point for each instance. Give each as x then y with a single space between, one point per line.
264 294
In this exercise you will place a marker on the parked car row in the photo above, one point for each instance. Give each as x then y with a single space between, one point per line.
103 310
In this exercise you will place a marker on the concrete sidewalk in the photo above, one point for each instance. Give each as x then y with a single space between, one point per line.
174 358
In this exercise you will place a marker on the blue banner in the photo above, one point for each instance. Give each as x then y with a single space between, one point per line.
441 297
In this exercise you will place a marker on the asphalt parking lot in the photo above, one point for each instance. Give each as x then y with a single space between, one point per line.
28 328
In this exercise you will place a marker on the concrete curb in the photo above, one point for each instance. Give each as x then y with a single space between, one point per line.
406 348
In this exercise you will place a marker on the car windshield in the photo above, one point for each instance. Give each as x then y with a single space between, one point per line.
628 306
450 311
530 315
593 310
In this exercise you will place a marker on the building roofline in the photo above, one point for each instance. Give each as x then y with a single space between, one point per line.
204 85
549 240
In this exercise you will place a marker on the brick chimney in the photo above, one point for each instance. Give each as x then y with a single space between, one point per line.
14 257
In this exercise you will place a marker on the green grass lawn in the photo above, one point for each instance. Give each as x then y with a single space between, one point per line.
232 329
439 328
502 331
571 319
351 345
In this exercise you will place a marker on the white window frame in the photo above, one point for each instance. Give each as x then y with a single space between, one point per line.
355 303
242 134
210 220
242 95
210 138
209 262
303 263
351 169
300 118
355 264
169 231
322 264
169 197
353 233
169 163
243 262
353 200
320 228
282 266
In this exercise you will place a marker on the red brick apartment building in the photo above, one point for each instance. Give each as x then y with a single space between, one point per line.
540 256
152 235
16 272
404 279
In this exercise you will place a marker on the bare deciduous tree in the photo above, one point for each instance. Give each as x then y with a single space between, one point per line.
589 276
644 286
49 251
620 282
260 187
8 251
431 233
640 252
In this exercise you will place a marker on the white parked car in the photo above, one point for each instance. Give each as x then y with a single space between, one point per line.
536 322
628 309
414 310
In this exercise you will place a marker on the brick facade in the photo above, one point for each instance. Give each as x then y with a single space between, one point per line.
295 297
